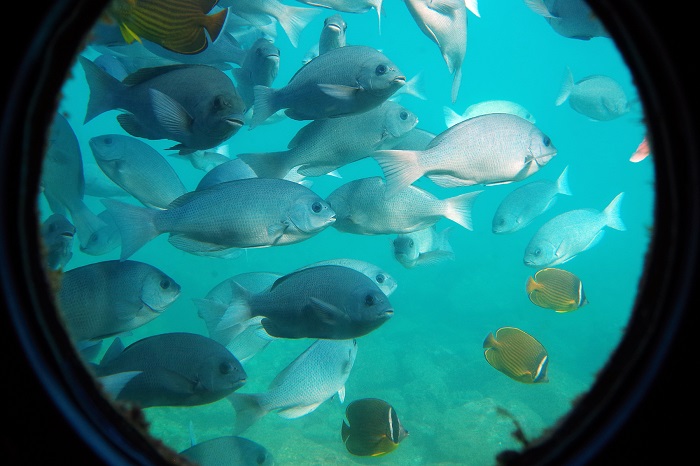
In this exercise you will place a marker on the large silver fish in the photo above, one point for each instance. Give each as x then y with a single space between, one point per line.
332 37
292 19
326 301
350 6
196 105
361 207
170 369
138 169
598 97
489 149
570 18
322 146
421 247
415 139
63 181
249 213
57 235
341 82
445 23
565 236
312 378
107 298
521 206
231 170
484 107
260 67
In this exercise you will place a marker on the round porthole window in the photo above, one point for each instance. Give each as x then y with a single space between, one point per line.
283 232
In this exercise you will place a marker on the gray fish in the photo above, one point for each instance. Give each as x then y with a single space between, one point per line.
362 208
105 239
325 145
231 170
138 169
292 19
565 236
97 184
332 37
445 23
57 234
341 82
598 97
229 450
487 106
212 309
426 246
381 277
204 160
521 206
259 67
104 299
195 105
170 369
573 19
315 376
496 148
266 212
350 6
415 139
63 181
327 301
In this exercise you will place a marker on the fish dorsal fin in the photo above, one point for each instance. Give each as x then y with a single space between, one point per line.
114 350
187 197
283 278
145 74
282 376
304 133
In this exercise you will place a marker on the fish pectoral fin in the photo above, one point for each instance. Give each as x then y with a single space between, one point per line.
115 383
327 313
596 239
170 113
174 382
298 411
339 91
276 230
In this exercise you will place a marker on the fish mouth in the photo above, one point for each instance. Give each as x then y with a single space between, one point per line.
529 263
234 121
400 80
68 234
388 313
335 27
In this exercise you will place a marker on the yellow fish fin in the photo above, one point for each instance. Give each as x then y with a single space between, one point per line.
128 34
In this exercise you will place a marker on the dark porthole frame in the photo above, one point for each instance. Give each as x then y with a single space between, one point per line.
627 417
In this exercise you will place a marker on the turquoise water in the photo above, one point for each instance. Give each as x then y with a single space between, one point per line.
427 361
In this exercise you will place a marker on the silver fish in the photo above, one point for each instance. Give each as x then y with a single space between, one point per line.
565 236
415 139
292 19
350 6
332 37
204 160
106 298
341 82
361 207
63 181
489 149
381 277
598 97
267 212
57 234
170 369
105 239
326 301
232 169
196 105
487 106
573 19
97 184
445 23
325 145
260 67
426 246
138 169
315 376
522 205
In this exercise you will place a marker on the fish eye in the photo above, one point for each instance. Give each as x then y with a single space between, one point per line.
107 140
546 141
410 243
537 252
165 283
380 278
381 69
316 207
369 300
403 115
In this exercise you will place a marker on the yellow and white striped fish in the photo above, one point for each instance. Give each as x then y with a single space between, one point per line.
556 289
517 354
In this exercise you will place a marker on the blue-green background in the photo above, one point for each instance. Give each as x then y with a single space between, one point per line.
428 360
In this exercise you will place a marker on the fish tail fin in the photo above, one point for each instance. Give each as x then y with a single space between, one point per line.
451 117
490 341
215 23
136 225
248 410
268 164
563 182
380 11
86 222
263 105
104 89
226 321
531 285
612 214
294 19
444 239
456 82
401 168
566 86
459 208
412 86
